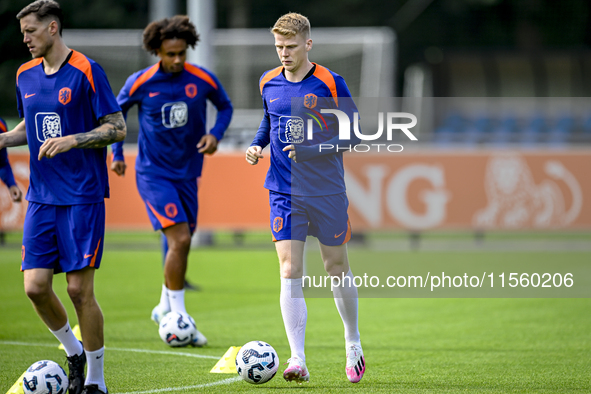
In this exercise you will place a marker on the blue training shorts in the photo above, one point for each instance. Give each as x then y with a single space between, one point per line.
64 238
324 217
169 202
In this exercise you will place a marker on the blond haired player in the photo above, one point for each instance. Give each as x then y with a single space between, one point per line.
306 187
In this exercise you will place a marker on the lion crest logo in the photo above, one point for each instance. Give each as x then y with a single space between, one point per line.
291 130
52 127
48 125
310 100
65 95
515 200
175 114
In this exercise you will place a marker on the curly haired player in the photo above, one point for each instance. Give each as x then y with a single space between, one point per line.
171 97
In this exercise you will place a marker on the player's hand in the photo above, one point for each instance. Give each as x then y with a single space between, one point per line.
208 144
53 146
118 167
253 154
292 152
15 193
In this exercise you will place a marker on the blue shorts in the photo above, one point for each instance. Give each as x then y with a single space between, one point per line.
169 202
64 238
324 217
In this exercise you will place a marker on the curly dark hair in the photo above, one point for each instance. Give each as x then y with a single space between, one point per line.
43 10
179 26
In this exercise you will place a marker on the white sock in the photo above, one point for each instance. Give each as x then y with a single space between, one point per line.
346 299
94 371
164 302
177 300
67 338
295 314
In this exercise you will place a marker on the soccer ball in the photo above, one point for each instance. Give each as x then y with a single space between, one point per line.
45 377
257 362
177 329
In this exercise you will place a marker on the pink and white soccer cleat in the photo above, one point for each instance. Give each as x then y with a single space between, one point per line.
296 371
355 364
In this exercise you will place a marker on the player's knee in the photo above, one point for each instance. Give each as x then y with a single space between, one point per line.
79 294
181 242
335 267
289 270
37 291
285 271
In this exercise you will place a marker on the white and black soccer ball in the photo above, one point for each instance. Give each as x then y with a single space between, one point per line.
257 362
177 329
45 377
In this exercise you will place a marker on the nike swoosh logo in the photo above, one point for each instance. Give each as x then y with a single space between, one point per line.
336 236
89 255
30 95
154 94
67 330
274 100
97 357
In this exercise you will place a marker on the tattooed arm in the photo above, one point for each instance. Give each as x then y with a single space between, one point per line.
112 129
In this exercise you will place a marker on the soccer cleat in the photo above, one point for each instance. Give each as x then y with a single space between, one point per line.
296 371
76 377
199 340
355 364
93 389
158 313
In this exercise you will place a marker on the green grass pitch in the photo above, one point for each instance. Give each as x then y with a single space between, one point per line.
411 345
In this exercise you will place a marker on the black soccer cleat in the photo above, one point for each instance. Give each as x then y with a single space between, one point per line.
76 376
93 389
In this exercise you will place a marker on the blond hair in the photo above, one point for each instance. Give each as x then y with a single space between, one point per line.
291 24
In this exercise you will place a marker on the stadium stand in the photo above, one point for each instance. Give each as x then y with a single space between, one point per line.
508 98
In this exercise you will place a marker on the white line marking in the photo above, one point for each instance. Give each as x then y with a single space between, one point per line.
28 344
164 352
117 349
197 386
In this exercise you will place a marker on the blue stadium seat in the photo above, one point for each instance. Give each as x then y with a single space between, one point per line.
534 131
504 132
559 134
476 131
449 131
586 130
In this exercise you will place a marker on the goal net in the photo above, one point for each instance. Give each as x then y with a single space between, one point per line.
365 57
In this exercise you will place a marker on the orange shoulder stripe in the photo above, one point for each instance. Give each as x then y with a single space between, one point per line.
28 65
143 78
3 128
199 73
80 62
325 76
269 76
